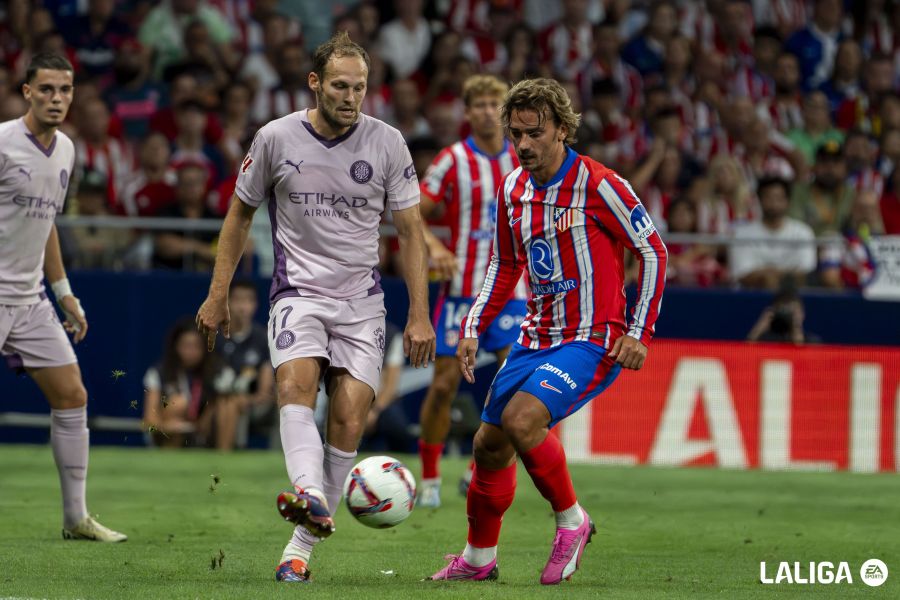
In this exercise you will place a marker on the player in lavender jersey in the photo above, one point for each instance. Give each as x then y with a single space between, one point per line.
36 161
328 175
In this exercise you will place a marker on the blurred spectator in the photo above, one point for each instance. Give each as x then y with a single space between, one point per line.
757 80
152 186
436 71
260 65
236 125
12 107
861 154
824 202
816 44
95 247
612 139
764 152
690 264
845 82
522 49
778 247
132 97
783 109
183 86
848 262
96 36
645 52
782 321
251 406
862 110
487 48
732 33
731 202
377 102
423 151
96 150
183 389
785 16
568 43
163 29
187 250
190 147
404 41
292 92
606 63
202 53
657 179
407 114
816 129
444 120
890 152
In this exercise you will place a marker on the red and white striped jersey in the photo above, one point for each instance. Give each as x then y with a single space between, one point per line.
567 51
113 159
570 235
465 180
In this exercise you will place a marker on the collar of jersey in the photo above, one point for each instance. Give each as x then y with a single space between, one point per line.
571 155
328 143
470 142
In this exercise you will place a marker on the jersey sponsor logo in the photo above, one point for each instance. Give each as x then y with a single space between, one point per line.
562 218
560 373
361 171
246 164
540 256
482 234
553 287
410 171
63 178
547 386
295 165
640 222
285 340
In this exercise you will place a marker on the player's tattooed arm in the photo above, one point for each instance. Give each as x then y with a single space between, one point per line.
213 312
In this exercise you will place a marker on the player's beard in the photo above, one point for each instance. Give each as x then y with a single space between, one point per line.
330 115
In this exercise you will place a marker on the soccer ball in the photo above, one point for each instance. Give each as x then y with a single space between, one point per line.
380 492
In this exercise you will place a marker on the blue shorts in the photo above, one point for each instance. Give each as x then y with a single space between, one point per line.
564 378
504 331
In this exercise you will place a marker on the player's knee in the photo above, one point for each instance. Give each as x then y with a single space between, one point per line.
490 452
72 395
518 425
444 386
297 392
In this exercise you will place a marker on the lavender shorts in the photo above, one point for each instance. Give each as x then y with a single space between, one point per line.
31 336
347 333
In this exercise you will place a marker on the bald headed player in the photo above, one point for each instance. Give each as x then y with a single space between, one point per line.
36 162
328 174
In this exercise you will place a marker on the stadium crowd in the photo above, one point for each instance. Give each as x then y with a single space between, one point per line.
760 120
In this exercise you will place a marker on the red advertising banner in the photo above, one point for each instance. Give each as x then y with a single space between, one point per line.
741 405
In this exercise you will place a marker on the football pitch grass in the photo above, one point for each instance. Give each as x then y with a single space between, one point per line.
662 533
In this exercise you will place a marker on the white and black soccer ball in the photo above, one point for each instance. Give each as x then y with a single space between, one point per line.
380 492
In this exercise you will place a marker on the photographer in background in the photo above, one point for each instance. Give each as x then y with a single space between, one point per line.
782 321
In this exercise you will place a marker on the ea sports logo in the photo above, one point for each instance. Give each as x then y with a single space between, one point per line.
640 222
540 256
873 572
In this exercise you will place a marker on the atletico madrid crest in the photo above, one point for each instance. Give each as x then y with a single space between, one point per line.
562 217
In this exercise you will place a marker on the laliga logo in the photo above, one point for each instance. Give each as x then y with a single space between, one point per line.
640 222
873 573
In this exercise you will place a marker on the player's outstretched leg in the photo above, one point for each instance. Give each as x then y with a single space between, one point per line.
70 440
490 495
435 419
546 464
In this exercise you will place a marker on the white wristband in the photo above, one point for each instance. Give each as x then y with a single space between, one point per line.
61 289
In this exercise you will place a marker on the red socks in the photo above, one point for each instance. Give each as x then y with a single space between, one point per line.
431 456
490 494
546 463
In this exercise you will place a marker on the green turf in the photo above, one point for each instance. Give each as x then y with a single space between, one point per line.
672 533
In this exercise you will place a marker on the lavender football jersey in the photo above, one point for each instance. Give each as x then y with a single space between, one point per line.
326 198
33 183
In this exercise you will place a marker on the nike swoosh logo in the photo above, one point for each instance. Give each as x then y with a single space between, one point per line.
514 221
547 386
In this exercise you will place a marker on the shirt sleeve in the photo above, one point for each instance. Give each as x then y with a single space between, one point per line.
401 183
806 254
254 175
503 274
628 221
741 256
439 176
